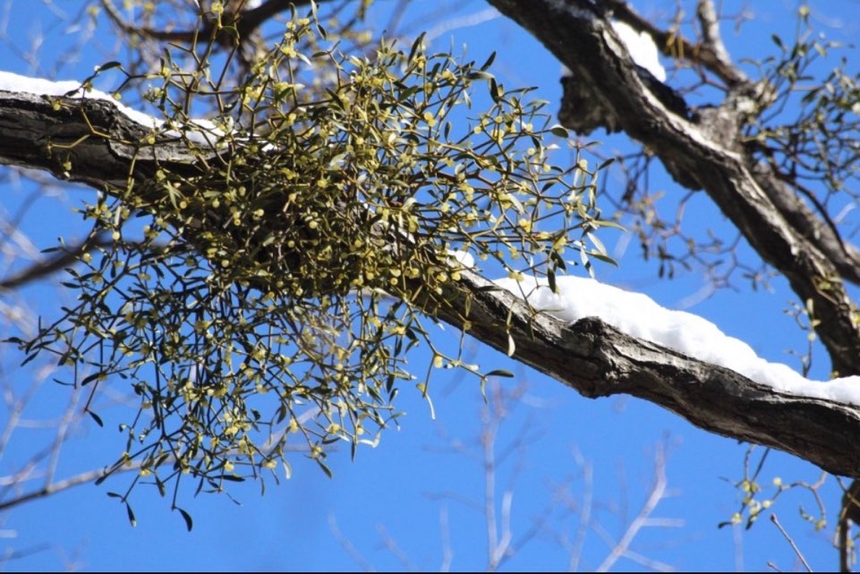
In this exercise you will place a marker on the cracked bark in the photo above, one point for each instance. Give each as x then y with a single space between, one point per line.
92 142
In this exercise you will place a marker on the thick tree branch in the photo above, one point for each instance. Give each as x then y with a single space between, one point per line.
246 22
722 125
786 195
589 356
597 360
578 34
87 141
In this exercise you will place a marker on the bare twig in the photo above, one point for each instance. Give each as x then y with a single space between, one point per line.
712 38
445 532
794 547
54 487
51 264
51 487
394 548
348 546
672 44
849 513
658 492
585 515
246 22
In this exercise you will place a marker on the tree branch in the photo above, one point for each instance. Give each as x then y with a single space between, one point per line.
49 265
245 21
581 37
589 355
598 360
709 53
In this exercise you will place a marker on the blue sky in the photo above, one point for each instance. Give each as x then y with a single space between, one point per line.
417 499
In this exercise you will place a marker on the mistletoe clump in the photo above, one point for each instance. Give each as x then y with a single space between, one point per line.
271 288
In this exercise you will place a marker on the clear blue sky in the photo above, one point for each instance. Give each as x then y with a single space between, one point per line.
421 490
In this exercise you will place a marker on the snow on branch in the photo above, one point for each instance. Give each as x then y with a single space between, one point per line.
201 131
642 49
672 359
71 88
639 316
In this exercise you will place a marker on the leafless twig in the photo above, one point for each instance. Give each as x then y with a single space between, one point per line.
794 547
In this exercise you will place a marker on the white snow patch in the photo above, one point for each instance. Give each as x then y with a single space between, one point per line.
17 83
639 316
464 258
642 49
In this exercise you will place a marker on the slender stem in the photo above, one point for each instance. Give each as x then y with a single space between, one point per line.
790 541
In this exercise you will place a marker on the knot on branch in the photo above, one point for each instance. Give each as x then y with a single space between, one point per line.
584 109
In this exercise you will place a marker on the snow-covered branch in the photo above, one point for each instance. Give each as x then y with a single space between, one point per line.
600 360
78 135
607 91
91 141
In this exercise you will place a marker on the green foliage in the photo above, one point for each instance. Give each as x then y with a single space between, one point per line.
757 498
264 298
817 141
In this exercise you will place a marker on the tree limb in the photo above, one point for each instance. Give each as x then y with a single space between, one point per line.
598 360
49 265
590 356
246 22
578 34
709 53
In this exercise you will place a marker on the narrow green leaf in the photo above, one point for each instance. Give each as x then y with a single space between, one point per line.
597 243
109 65
96 418
132 520
550 276
494 90
559 130
324 468
479 76
189 524
232 478
416 45
604 258
489 62
160 484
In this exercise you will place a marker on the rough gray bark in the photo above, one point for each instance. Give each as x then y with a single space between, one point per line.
92 142
87 141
